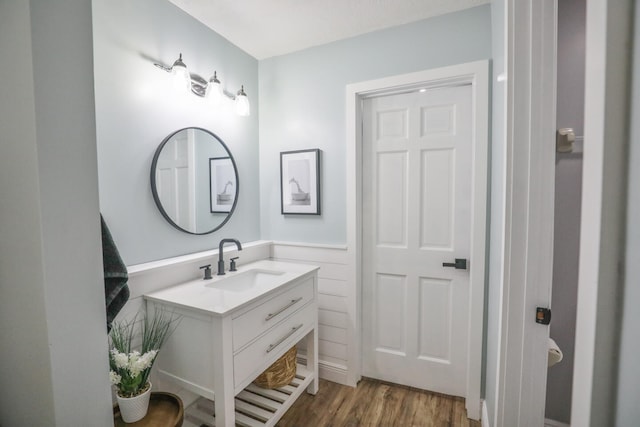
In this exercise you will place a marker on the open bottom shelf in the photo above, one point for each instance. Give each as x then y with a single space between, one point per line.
255 406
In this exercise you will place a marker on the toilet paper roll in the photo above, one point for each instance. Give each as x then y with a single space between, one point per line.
555 354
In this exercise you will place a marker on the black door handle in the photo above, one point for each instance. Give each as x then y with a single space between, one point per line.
460 264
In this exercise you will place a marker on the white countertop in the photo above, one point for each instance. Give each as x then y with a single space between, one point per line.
222 294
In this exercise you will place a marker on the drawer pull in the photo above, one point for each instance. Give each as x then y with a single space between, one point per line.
277 343
272 315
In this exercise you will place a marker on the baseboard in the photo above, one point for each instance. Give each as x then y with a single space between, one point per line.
554 423
484 419
328 371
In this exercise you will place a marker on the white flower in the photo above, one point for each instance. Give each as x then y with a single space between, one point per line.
149 357
120 359
139 363
114 378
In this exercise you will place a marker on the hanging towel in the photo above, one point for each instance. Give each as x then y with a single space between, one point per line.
115 276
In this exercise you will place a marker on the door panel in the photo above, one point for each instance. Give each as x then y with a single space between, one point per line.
416 215
437 201
390 297
392 199
435 320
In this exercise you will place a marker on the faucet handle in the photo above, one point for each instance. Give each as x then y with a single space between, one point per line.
232 266
207 271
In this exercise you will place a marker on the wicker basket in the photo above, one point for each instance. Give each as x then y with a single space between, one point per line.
280 373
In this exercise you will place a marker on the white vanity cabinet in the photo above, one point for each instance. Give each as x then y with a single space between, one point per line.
233 327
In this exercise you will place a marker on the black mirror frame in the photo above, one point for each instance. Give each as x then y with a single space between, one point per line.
154 191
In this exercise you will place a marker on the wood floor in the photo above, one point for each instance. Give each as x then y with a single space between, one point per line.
375 403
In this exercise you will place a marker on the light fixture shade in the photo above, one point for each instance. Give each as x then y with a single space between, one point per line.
242 103
181 73
214 90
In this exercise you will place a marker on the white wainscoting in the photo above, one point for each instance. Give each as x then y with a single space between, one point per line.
334 345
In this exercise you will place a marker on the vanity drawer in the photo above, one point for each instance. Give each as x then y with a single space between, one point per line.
252 324
251 361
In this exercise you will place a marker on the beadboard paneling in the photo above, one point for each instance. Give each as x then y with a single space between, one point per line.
332 318
332 349
333 302
334 287
309 253
332 333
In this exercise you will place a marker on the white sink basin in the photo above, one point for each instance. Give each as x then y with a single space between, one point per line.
247 280
222 294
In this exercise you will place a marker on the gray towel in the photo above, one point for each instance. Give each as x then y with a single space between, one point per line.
115 276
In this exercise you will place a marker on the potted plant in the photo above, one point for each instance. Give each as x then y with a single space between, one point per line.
131 364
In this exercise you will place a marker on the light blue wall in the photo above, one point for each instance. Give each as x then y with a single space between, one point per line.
136 108
302 105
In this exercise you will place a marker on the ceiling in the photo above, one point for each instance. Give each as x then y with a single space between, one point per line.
266 28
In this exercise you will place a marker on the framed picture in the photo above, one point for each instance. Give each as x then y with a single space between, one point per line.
300 182
222 184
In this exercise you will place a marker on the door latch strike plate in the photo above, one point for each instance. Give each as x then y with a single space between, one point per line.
543 315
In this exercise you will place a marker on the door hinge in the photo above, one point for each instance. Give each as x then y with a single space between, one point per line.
543 315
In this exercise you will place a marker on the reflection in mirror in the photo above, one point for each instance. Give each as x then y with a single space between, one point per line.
194 181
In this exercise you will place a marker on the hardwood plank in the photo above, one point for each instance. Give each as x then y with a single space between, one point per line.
375 403
317 409
376 406
394 401
359 406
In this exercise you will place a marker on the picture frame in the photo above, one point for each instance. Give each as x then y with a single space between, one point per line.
222 184
300 182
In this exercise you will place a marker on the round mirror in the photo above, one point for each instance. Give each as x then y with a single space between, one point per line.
194 181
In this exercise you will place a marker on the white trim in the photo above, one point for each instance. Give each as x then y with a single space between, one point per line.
609 28
529 199
476 73
485 415
329 371
312 245
554 423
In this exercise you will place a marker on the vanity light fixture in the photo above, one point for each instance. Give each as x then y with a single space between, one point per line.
242 103
180 73
212 89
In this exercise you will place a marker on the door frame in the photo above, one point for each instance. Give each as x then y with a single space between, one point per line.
601 278
530 66
477 74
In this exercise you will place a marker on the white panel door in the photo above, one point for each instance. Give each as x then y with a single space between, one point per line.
175 179
417 168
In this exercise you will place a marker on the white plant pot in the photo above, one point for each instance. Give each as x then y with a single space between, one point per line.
135 408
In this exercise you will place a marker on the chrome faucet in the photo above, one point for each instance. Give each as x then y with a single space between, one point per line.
220 255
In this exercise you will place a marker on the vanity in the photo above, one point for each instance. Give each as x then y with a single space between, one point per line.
235 326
